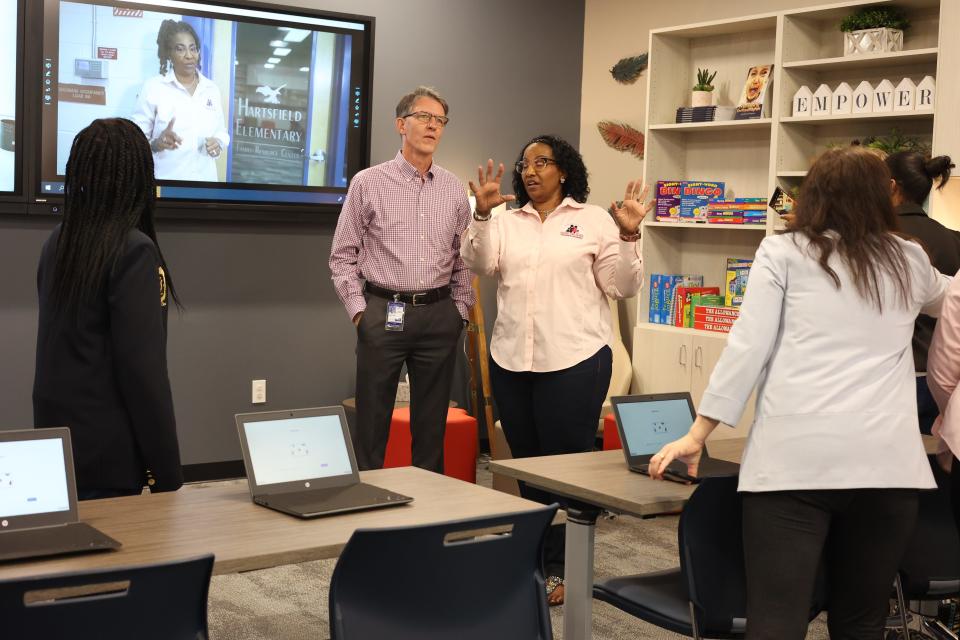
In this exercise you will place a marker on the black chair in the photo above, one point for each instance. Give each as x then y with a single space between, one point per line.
705 597
166 601
470 579
930 569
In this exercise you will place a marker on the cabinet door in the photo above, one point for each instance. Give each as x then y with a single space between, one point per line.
706 353
662 360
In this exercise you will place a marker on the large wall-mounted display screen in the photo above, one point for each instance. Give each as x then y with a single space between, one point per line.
243 104
9 22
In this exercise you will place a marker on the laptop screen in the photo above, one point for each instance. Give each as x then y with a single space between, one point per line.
650 424
296 449
33 478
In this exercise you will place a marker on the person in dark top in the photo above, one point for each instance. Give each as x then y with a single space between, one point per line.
103 291
913 176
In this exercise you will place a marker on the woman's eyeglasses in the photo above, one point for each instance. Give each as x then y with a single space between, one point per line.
425 118
539 164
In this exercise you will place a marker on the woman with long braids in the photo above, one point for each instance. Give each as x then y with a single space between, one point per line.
104 290
180 110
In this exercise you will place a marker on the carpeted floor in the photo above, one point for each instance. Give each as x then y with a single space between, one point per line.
290 602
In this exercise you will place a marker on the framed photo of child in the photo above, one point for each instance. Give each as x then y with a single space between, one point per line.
755 90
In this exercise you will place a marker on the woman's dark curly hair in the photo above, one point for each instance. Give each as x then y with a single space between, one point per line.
568 161
168 29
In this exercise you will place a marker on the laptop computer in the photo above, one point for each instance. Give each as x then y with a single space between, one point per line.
38 497
647 422
301 462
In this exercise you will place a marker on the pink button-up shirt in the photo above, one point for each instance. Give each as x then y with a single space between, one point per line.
553 281
401 231
943 368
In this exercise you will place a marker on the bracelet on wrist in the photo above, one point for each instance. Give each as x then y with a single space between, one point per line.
630 237
480 218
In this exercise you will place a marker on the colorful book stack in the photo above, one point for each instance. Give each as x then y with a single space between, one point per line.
739 211
686 200
662 290
686 299
696 114
735 283
715 318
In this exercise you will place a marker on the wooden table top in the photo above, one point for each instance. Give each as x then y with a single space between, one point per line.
219 518
602 478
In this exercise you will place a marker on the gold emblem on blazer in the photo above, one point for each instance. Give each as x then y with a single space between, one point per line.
163 286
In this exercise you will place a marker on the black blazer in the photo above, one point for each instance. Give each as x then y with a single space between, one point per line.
943 247
104 374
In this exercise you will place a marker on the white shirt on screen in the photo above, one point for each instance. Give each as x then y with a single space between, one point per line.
553 279
836 392
198 117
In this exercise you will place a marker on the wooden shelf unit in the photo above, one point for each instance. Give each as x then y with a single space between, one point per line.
752 157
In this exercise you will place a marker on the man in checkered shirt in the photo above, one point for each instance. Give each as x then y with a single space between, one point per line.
396 266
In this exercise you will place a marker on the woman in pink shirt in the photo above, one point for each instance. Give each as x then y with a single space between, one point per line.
556 260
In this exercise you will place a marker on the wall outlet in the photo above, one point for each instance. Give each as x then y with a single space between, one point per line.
259 391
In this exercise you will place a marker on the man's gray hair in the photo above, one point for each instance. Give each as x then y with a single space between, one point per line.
406 102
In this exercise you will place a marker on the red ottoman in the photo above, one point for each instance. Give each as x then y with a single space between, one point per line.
611 437
460 444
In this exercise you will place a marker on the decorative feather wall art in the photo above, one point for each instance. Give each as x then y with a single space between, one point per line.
622 137
627 70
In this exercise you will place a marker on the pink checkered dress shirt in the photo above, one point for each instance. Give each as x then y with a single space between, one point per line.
401 231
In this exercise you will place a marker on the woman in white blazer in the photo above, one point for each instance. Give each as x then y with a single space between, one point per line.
834 458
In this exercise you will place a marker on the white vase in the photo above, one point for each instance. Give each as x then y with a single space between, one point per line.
879 40
702 98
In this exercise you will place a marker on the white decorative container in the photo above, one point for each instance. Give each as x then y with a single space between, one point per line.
926 94
904 95
702 98
880 40
821 101
883 97
863 98
802 102
841 99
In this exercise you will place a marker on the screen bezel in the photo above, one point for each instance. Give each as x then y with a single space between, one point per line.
13 201
300 485
38 202
616 401
15 523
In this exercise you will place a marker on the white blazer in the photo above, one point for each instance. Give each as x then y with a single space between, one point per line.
836 394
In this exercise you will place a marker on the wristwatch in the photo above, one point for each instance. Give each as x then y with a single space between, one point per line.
479 218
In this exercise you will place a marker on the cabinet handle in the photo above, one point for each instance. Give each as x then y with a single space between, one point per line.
698 358
683 355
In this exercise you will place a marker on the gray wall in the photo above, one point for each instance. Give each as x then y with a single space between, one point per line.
259 299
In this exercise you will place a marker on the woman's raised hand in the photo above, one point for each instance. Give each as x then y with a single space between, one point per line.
488 192
630 212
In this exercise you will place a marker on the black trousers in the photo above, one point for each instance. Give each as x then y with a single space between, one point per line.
861 533
550 413
955 490
428 346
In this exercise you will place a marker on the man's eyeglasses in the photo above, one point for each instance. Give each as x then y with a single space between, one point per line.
425 118
539 164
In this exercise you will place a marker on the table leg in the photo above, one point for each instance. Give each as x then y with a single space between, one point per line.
578 558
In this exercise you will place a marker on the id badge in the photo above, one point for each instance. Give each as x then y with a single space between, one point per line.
395 311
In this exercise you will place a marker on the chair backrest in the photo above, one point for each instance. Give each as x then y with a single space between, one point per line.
930 568
166 601
711 556
469 579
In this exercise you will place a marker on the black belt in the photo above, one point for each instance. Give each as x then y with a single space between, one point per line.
416 299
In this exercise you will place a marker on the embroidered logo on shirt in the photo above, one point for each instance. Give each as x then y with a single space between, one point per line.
163 286
209 103
573 231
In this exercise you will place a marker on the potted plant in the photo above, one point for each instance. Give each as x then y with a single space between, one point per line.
703 90
874 30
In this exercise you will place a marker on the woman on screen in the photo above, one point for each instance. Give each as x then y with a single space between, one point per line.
102 342
179 110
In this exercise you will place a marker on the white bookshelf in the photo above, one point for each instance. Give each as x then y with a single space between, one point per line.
753 156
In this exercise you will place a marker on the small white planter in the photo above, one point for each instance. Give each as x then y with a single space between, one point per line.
880 40
702 98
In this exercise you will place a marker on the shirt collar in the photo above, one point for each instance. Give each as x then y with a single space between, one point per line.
910 209
407 170
171 78
565 203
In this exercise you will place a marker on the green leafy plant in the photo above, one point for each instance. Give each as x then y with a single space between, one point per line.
704 78
875 18
895 142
